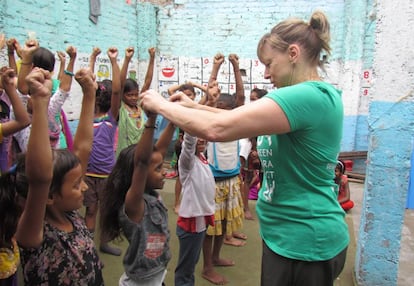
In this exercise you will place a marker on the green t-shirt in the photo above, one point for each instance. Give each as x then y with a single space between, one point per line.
300 217
130 127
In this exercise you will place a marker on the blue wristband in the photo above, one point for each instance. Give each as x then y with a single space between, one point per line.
68 72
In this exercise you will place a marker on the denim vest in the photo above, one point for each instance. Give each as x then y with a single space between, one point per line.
148 252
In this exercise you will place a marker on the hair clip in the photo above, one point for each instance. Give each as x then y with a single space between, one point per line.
13 169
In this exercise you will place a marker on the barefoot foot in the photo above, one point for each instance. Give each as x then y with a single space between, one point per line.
248 215
234 242
223 262
214 277
106 248
240 235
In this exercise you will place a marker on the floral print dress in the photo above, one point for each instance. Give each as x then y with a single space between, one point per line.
64 258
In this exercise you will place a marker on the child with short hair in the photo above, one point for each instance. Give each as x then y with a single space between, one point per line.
224 161
56 246
197 206
188 89
131 206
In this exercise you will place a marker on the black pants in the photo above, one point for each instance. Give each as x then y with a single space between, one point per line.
281 271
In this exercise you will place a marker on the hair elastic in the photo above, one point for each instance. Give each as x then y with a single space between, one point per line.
68 72
13 169
341 166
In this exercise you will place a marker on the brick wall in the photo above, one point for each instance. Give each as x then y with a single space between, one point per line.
201 28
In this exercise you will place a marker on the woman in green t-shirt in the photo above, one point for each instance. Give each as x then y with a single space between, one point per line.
299 124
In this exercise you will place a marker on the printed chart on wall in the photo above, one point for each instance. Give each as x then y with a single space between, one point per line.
103 71
179 70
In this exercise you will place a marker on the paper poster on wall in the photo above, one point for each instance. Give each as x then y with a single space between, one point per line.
223 75
172 71
168 68
103 70
190 69
163 87
258 70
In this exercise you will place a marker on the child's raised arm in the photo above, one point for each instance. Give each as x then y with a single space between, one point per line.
92 58
134 203
129 53
11 47
62 58
2 41
20 113
217 62
82 144
240 98
66 77
26 54
165 139
39 162
150 70
116 82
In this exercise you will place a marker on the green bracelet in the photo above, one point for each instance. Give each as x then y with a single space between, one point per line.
68 72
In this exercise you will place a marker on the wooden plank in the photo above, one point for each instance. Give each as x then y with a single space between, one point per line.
356 180
353 155
355 175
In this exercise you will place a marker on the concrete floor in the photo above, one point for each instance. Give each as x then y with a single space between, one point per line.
246 272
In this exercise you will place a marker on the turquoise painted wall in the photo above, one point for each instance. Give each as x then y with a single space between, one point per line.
58 24
197 28
236 26
194 28
382 216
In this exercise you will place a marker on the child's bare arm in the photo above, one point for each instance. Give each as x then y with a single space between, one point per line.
165 139
129 53
2 41
67 75
20 113
11 47
26 54
217 62
213 94
82 143
92 58
199 86
212 90
134 203
173 89
62 58
116 82
240 98
347 193
150 70
39 162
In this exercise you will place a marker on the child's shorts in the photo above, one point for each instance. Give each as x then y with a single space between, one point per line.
95 188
